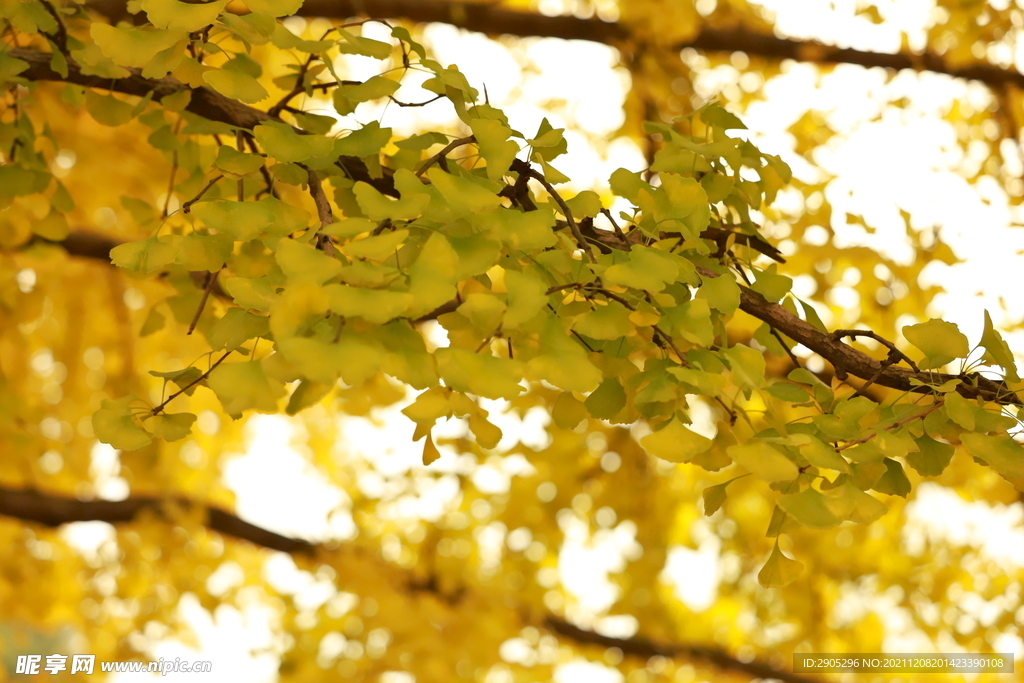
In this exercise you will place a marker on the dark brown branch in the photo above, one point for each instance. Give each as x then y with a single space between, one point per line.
493 18
205 102
323 210
895 353
54 510
442 155
523 168
645 649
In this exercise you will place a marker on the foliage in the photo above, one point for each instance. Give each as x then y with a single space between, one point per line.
289 268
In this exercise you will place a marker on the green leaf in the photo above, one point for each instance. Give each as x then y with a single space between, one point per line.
182 16
463 195
568 411
1001 453
113 424
185 379
779 570
378 207
894 482
810 508
784 391
352 357
132 47
997 351
169 427
819 453
10 67
526 231
357 45
299 306
648 269
675 442
236 327
304 263
771 285
932 457
562 361
236 85
479 373
107 109
244 386
346 96
372 305
527 296
256 294
306 394
245 221
605 322
607 400
378 247
764 461
714 496
236 163
367 141
747 365
145 255
722 293
287 146
204 252
940 341
274 8
850 503
496 148
718 116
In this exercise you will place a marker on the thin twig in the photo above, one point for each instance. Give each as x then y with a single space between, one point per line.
524 168
894 425
60 39
197 380
174 171
187 206
211 279
454 144
893 351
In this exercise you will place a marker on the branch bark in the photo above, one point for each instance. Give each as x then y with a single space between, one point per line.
54 510
494 19
843 357
644 648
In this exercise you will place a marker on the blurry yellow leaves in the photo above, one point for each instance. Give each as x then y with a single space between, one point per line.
779 570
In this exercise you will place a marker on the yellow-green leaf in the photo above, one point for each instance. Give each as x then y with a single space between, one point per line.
675 442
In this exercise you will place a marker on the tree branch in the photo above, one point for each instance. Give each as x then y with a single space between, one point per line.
643 648
53 510
492 18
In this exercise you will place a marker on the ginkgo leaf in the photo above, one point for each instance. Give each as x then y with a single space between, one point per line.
568 411
245 386
496 148
940 341
145 255
182 16
204 252
931 458
764 461
237 163
248 220
1001 452
675 442
304 263
810 508
377 207
479 373
430 452
373 305
236 85
348 96
274 8
997 351
610 321
113 424
169 427
779 570
607 400
236 327
133 47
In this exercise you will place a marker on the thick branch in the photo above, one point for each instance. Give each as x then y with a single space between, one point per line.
641 647
205 102
492 18
54 510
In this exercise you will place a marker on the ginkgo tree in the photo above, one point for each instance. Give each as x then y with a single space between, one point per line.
291 267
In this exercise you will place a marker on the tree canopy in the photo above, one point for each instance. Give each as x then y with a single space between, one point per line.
206 215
